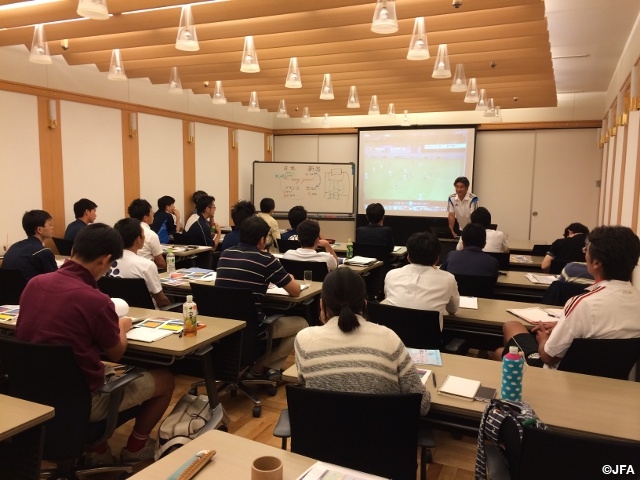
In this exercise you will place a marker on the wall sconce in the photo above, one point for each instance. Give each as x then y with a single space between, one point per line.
191 137
52 114
234 140
133 124
634 104
621 112
268 143
604 131
613 130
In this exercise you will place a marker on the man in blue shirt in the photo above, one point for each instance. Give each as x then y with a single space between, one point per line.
240 211
85 212
30 256
471 260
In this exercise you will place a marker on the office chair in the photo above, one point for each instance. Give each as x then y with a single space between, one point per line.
374 279
612 358
373 433
64 246
476 285
284 245
540 250
416 328
50 375
557 266
559 292
503 259
12 283
381 252
319 270
232 355
132 290
552 454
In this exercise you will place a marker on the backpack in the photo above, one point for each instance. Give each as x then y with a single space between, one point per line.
503 419
191 417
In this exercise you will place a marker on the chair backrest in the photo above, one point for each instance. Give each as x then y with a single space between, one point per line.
493 226
611 358
284 245
476 285
540 250
416 328
319 270
503 260
64 246
50 375
237 304
557 266
372 433
372 250
12 283
181 238
134 291
553 454
559 292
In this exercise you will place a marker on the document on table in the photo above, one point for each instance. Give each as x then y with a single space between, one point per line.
148 335
464 388
536 315
469 302
328 471
281 291
361 261
425 357
541 279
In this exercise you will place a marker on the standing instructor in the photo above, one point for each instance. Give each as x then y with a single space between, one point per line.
460 205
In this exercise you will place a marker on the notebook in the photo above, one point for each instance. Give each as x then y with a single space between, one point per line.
536 315
459 387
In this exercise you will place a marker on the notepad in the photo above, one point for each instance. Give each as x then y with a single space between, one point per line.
147 334
328 471
463 388
469 302
541 279
361 261
281 291
9 312
537 315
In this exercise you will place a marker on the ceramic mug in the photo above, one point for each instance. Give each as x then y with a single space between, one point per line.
266 468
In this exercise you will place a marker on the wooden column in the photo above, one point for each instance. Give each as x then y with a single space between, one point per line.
130 157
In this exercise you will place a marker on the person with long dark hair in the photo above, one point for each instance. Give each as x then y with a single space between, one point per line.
349 354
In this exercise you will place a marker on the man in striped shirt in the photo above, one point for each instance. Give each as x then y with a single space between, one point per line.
607 309
249 266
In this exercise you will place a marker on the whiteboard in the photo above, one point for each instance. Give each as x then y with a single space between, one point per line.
322 188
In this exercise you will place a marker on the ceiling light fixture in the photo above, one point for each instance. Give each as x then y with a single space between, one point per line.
325 121
374 108
282 110
293 75
306 115
391 111
39 48
441 69
254 106
249 57
482 100
459 83
326 92
116 69
93 9
218 94
472 92
187 40
384 17
353 101
175 86
418 47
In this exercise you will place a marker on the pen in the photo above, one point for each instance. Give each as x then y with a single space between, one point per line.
434 379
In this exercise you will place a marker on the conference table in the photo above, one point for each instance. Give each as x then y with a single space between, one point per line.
185 250
233 459
514 285
568 401
21 436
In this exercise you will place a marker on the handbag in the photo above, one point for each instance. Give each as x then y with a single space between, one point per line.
191 417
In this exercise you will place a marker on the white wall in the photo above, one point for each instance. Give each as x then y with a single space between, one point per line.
19 165
212 167
92 160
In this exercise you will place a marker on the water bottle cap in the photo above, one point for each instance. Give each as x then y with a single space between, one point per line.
513 350
189 298
169 250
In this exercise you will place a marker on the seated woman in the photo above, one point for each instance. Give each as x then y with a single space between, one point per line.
349 354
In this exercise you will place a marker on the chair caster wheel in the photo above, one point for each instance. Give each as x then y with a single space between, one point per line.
272 391
257 411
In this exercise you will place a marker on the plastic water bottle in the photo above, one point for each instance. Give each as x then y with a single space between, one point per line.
171 261
512 365
190 315
349 248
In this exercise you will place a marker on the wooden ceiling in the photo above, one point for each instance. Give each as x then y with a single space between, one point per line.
327 36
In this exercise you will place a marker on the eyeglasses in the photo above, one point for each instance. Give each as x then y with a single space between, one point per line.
585 249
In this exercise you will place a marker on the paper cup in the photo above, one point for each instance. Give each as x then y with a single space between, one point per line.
266 468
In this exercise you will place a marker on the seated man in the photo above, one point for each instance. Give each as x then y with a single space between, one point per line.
151 250
201 232
576 272
131 265
194 216
471 260
375 233
496 240
567 249
165 215
30 256
607 309
85 212
296 216
241 210
249 266
267 207
420 285
309 237
80 315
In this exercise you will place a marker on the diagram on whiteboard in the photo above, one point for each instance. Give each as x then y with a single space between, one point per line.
336 186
